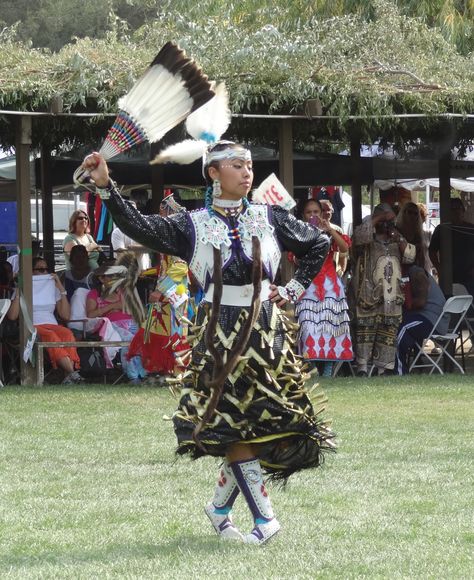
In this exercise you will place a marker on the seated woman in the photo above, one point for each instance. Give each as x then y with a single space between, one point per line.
49 297
420 314
79 236
108 301
79 274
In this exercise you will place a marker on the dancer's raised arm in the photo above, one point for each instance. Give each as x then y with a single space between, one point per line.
166 235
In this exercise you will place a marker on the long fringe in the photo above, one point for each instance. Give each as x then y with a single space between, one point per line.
223 370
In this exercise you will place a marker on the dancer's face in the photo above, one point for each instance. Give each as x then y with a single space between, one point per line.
236 177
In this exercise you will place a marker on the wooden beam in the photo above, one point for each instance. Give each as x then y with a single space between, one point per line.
47 206
285 137
23 196
446 238
356 185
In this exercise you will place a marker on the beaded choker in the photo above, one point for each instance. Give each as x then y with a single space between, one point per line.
231 207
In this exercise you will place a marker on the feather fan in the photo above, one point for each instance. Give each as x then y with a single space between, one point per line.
206 125
172 87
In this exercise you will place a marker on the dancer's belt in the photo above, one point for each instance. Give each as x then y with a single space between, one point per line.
238 295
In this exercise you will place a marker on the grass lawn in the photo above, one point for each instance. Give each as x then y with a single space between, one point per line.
90 488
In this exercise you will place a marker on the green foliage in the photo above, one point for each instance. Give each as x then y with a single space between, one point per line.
373 63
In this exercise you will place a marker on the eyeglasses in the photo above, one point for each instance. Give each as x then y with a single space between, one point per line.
41 270
83 217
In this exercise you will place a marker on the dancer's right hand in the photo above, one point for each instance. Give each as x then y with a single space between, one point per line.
97 168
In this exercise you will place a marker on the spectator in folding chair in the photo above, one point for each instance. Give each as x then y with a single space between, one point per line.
49 297
462 256
79 276
419 315
79 236
115 295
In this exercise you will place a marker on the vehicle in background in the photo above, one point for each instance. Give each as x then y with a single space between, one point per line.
62 211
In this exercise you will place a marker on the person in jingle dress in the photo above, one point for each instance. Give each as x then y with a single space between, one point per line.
243 397
161 341
322 311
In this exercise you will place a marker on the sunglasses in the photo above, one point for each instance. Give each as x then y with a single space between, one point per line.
83 218
42 270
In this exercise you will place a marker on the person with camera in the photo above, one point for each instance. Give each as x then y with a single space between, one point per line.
377 287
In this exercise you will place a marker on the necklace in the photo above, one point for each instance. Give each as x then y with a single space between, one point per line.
230 207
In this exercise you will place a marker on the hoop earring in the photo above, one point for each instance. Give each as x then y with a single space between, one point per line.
216 188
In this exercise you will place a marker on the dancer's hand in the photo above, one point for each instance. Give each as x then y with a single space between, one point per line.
275 296
97 168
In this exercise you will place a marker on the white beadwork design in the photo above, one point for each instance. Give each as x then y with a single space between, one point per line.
254 223
216 233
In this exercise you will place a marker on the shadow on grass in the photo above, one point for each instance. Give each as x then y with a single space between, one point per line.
171 548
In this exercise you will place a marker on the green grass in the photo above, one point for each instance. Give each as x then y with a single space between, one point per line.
90 488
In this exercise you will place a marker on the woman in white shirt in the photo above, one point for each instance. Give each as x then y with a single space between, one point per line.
49 296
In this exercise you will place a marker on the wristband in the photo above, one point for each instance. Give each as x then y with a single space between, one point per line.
104 192
63 293
292 291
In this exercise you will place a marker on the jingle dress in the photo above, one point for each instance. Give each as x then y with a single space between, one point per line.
264 399
323 315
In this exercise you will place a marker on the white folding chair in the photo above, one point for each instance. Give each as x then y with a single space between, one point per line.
4 306
456 306
468 324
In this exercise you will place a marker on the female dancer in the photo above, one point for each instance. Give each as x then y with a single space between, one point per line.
322 312
243 395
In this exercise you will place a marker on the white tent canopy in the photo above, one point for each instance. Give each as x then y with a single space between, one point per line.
466 185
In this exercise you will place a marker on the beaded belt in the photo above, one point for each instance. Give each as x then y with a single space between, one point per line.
238 295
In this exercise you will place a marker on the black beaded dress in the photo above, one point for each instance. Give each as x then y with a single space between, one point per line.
264 399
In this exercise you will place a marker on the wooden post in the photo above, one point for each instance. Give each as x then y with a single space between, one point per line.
23 196
47 207
446 238
356 185
285 136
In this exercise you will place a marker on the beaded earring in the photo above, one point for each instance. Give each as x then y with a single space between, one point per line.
216 188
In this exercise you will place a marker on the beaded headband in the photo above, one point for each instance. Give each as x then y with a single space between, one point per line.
228 153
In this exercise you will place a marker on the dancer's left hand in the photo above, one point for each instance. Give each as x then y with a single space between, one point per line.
275 296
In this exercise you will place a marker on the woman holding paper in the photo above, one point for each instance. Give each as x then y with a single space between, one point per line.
243 396
322 312
49 298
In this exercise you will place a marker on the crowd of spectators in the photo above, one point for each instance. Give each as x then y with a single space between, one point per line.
376 296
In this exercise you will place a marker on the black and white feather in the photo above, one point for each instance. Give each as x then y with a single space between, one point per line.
172 87
206 125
